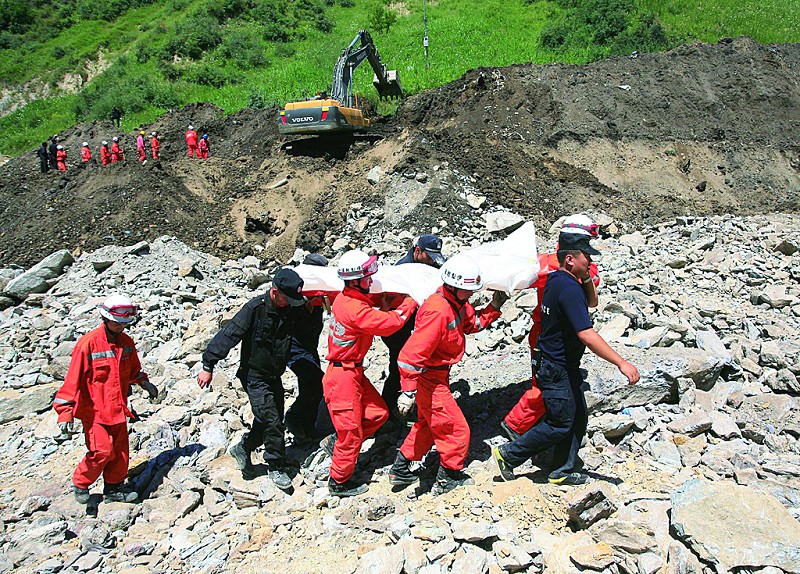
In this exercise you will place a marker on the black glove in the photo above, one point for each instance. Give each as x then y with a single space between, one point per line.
499 298
151 389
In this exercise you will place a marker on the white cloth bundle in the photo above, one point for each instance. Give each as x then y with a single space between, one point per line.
507 265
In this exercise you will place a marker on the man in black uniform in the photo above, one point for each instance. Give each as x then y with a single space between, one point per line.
265 326
566 332
116 115
301 418
43 157
53 150
427 249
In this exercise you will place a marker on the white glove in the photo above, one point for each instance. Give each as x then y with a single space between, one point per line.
406 402
66 428
151 389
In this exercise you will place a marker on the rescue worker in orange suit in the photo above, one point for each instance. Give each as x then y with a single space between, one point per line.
140 147
155 145
191 142
61 158
86 153
117 153
103 367
203 146
438 343
530 407
356 408
105 154
427 249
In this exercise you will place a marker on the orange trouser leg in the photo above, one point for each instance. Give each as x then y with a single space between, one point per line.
441 422
528 410
357 411
108 455
193 149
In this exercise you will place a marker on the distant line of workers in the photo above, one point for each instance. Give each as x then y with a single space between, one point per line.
54 156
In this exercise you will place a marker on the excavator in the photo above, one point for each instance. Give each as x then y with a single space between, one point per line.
342 111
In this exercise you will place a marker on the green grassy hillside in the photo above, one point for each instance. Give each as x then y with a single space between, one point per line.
250 53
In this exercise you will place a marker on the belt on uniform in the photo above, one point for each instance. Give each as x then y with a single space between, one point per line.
341 364
439 368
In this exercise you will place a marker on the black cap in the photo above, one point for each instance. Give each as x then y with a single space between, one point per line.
315 259
288 282
432 245
576 242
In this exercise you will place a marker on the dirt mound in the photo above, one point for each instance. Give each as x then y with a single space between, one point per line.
701 129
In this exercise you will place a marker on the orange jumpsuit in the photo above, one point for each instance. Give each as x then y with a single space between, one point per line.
437 343
356 407
105 155
61 160
202 146
191 143
117 154
530 407
155 145
86 154
95 391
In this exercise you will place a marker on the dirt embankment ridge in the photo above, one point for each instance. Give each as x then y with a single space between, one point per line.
698 130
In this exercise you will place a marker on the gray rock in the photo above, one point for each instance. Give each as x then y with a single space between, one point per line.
15 404
666 453
38 278
384 560
724 426
442 548
474 561
692 424
511 557
612 426
414 553
470 531
591 505
97 537
502 221
750 528
631 537
615 328
475 201
374 175
776 297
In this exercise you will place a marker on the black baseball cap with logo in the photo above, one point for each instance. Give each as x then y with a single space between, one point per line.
432 245
288 282
576 242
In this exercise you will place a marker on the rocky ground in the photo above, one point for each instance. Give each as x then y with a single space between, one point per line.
695 469
703 129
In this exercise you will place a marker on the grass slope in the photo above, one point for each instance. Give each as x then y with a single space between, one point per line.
251 53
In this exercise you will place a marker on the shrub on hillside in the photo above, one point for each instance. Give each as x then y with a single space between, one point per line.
195 35
381 18
15 16
244 48
211 74
222 10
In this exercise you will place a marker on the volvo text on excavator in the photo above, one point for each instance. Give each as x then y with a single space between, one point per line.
342 110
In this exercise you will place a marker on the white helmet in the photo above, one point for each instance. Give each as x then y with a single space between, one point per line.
119 308
191 127
580 224
462 272
154 134
356 264
59 147
85 144
104 142
115 138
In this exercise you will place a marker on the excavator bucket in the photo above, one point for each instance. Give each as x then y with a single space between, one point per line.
391 87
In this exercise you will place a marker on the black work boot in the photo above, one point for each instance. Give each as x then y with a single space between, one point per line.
81 494
400 473
241 456
447 480
119 493
277 474
349 488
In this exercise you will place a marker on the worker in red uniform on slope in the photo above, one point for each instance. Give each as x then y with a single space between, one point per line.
61 158
203 146
530 407
117 153
140 146
438 343
105 154
356 408
104 364
86 153
191 142
155 145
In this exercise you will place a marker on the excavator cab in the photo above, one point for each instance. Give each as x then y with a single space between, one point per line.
341 111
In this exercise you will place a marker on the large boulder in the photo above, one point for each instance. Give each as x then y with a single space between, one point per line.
735 526
39 278
660 369
15 404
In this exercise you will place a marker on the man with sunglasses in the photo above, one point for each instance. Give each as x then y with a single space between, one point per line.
103 367
567 331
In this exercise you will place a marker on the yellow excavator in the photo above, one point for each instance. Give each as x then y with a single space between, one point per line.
342 110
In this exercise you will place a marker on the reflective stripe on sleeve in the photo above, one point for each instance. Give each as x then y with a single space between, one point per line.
342 342
408 367
457 321
102 355
63 401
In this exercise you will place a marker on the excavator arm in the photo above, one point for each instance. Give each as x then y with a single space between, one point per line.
385 81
